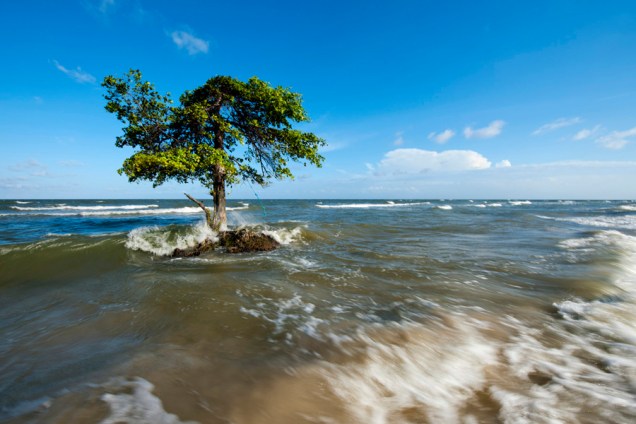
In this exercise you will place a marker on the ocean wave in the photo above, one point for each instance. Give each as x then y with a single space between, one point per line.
432 371
284 236
388 204
19 202
114 210
629 208
622 246
443 207
623 222
519 202
162 241
83 208
188 210
486 205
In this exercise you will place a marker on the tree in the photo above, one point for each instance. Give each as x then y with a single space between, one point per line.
221 133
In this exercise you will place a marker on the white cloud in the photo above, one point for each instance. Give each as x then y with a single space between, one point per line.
105 5
556 124
616 139
399 140
185 40
417 161
31 167
77 74
71 163
586 133
492 130
442 137
503 164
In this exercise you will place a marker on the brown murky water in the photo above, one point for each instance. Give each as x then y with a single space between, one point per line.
371 312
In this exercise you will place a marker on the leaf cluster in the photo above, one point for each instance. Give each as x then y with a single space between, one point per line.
241 130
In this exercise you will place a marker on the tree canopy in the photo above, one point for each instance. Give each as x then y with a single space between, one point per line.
223 132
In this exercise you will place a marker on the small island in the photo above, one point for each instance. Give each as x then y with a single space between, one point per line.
221 133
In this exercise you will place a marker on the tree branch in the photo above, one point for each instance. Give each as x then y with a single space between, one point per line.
208 216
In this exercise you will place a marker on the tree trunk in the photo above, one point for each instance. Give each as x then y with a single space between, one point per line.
218 187
218 194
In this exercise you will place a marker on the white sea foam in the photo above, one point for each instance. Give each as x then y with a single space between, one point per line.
519 202
21 202
430 370
587 366
443 207
163 240
604 221
284 236
132 212
588 358
162 211
116 210
83 208
134 402
239 208
388 204
630 208
287 316
538 373
486 205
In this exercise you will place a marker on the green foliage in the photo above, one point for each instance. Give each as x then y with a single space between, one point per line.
239 131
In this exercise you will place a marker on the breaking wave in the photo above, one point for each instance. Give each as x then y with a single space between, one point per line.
105 211
283 235
630 208
604 221
486 205
388 204
162 241
82 208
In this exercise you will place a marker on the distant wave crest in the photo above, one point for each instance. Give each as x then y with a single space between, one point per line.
388 204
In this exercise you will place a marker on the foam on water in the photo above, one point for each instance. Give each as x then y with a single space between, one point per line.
486 205
580 364
89 211
163 240
604 221
630 208
586 359
519 202
425 371
243 206
287 316
443 207
83 208
132 401
284 236
388 204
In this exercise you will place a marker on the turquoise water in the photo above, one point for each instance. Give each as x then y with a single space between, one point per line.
372 311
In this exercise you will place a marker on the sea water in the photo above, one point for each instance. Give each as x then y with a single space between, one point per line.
371 311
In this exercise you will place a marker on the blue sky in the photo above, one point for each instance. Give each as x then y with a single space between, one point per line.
417 99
